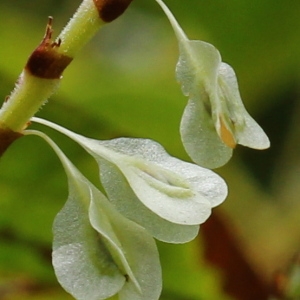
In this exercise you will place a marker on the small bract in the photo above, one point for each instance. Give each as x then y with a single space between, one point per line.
215 119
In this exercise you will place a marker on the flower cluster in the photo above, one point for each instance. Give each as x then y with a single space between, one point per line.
104 241
149 194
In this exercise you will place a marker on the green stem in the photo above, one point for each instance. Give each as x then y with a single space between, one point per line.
28 96
81 28
33 89
43 71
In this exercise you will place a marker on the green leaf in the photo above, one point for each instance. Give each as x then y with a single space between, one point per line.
215 119
174 190
96 251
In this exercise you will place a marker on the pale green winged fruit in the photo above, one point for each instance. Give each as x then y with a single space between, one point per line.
165 195
97 252
215 119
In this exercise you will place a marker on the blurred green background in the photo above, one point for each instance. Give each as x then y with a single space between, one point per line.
123 84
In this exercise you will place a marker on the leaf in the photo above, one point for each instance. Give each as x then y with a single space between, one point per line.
215 119
176 191
97 252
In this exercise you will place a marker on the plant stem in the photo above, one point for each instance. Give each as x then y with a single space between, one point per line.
43 71
28 96
80 29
